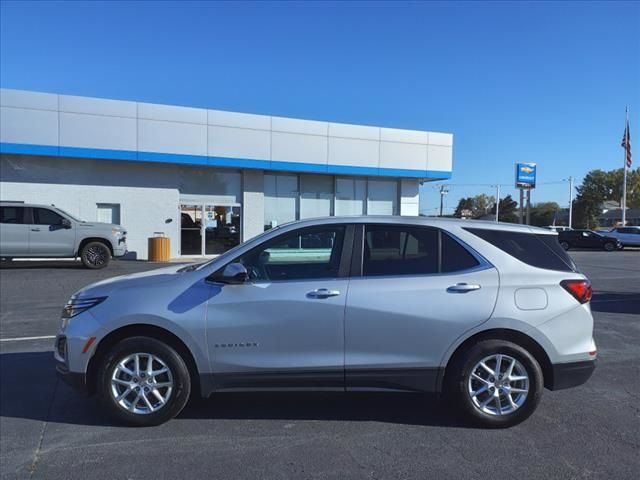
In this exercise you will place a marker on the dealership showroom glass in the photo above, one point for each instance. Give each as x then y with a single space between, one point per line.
207 179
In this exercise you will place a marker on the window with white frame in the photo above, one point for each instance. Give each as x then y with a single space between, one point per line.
351 195
280 199
316 196
382 197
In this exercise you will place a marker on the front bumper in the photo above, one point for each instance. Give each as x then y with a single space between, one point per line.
567 375
120 248
76 380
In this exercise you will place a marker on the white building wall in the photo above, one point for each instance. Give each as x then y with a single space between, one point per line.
252 203
149 195
409 197
34 118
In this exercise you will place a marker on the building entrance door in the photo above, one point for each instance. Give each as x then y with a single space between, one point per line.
208 229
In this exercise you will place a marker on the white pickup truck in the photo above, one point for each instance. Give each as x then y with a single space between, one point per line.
46 231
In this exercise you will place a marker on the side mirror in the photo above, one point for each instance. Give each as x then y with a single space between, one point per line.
66 223
234 273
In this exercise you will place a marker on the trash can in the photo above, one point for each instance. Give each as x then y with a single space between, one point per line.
159 248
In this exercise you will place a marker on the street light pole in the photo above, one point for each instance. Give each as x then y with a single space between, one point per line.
443 192
497 202
570 201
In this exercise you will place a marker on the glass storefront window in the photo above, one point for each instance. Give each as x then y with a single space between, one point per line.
316 196
280 199
351 195
383 197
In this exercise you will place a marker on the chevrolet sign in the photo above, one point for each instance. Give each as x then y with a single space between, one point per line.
525 175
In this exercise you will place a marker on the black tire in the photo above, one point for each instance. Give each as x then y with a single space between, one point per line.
176 399
95 255
609 246
565 245
463 368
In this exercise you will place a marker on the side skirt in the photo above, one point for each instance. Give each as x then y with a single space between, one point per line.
391 379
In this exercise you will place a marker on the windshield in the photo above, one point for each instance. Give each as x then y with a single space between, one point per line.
68 215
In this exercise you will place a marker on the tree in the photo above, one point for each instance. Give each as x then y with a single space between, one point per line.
599 186
478 205
542 213
508 210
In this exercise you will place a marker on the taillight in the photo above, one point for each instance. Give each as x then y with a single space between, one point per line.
580 289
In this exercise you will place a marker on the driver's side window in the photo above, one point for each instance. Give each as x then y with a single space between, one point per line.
301 254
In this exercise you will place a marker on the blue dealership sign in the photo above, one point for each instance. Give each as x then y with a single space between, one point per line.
525 175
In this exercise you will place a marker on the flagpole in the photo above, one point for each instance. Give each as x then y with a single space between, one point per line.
624 182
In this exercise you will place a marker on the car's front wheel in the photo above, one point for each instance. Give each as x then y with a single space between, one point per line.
143 381
497 383
565 245
609 246
95 255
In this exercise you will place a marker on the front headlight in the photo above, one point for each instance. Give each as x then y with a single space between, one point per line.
116 232
76 306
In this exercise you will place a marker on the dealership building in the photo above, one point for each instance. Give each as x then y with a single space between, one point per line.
207 179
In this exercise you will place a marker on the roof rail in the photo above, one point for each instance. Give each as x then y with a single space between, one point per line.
12 201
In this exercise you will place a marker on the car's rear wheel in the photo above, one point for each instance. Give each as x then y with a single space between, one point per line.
565 245
497 383
609 246
95 255
143 381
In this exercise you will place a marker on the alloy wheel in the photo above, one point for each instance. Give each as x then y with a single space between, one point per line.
141 383
498 385
96 255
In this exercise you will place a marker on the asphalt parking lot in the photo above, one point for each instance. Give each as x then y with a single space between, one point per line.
49 431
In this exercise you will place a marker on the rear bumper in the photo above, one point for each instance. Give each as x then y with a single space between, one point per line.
567 375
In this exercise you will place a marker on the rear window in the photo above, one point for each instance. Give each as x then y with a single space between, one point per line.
455 257
12 215
537 250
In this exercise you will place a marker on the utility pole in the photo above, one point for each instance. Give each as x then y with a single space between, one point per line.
497 202
443 191
521 205
570 200
627 159
528 206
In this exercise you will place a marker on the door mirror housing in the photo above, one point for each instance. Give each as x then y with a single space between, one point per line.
233 274
66 223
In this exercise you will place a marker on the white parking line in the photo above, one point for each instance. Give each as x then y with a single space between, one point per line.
20 339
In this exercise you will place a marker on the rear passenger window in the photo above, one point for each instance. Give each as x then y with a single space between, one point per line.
537 250
455 257
12 215
399 250
44 216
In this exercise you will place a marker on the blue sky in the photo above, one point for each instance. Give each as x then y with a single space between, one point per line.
542 82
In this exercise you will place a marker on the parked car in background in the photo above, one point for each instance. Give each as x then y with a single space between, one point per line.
487 314
45 231
628 236
558 228
588 239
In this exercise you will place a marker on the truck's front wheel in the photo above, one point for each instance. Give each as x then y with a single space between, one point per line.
95 255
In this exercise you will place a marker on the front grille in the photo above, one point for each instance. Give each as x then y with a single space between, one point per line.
61 347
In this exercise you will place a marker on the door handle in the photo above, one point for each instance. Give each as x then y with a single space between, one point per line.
35 229
463 288
323 293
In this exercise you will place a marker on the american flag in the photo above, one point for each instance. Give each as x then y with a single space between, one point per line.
626 143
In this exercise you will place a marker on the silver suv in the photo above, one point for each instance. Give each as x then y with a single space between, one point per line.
46 231
487 314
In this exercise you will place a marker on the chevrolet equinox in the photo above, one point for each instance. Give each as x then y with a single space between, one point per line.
487 314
